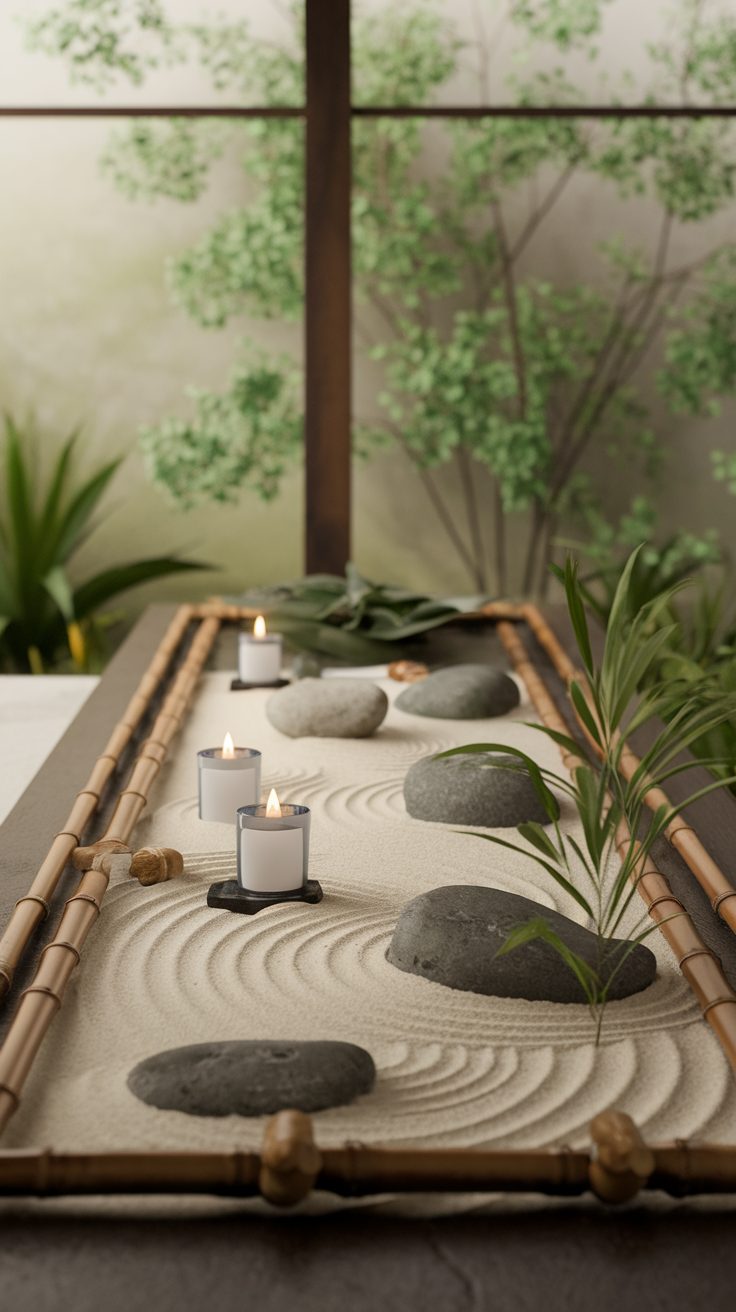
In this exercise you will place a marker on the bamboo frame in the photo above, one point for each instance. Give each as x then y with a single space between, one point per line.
699 965
31 909
714 883
40 1002
290 1165
616 1167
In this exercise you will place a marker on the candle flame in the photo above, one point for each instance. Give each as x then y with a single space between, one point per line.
273 805
259 628
228 748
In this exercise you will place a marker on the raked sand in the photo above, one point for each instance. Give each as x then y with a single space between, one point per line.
161 969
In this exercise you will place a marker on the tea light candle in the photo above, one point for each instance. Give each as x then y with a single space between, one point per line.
273 846
259 655
229 777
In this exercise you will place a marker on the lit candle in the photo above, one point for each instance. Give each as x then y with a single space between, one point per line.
229 777
273 847
259 655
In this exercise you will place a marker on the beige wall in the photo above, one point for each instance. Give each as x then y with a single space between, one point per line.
87 332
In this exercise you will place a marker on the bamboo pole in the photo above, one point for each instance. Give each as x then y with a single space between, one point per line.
700 967
229 613
33 907
290 1165
715 884
42 999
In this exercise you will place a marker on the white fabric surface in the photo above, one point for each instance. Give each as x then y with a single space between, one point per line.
34 712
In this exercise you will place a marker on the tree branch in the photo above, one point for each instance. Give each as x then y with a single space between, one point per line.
471 507
512 309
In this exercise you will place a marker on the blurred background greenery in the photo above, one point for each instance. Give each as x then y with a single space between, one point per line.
545 335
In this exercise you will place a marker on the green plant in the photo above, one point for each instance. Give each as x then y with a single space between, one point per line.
599 870
493 375
351 619
44 616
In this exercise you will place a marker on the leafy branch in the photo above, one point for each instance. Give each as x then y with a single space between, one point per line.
601 866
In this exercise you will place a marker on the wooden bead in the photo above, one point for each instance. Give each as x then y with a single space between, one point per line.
82 857
407 671
290 1159
154 865
622 1161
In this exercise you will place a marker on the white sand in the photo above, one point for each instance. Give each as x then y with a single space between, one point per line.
162 969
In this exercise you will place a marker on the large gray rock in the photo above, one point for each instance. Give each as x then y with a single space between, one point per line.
470 790
253 1077
451 935
328 708
461 692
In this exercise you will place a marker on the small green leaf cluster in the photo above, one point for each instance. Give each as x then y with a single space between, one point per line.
249 433
351 619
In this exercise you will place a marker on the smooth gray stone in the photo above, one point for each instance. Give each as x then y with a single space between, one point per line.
468 790
461 692
328 708
253 1077
451 935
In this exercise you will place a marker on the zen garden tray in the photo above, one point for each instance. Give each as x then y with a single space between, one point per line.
474 1095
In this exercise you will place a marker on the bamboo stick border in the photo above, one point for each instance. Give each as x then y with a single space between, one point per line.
699 965
616 1167
40 1002
714 883
31 909
290 1164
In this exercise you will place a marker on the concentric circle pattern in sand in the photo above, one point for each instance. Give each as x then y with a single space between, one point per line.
163 969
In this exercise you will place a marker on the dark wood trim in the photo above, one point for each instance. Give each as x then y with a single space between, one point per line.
544 111
370 111
327 315
151 111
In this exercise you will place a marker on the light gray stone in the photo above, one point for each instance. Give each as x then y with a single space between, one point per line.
253 1077
470 790
451 935
461 692
328 708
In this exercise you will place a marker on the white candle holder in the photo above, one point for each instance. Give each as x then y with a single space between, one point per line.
227 783
273 861
259 661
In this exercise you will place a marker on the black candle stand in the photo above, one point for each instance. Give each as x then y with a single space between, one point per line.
228 895
237 685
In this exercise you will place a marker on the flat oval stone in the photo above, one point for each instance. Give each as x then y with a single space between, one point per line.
469 790
253 1077
451 935
328 708
461 692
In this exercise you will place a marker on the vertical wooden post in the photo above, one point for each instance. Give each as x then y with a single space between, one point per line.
327 319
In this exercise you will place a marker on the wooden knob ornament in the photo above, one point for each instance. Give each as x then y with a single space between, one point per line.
407 671
149 865
83 857
290 1159
154 865
621 1162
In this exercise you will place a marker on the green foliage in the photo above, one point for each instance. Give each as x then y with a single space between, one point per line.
600 868
351 619
511 379
45 616
566 22
249 433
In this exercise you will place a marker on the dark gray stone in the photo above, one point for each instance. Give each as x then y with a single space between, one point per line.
469 790
328 708
451 935
461 692
253 1077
